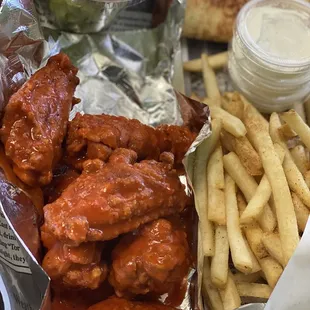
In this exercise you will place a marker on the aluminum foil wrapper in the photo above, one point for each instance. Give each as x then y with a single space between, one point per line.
81 16
122 73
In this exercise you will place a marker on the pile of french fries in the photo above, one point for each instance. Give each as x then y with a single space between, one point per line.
251 181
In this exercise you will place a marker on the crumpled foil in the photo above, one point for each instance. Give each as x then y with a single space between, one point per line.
123 73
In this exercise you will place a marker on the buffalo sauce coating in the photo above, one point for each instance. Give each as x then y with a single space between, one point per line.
155 259
35 120
97 136
114 198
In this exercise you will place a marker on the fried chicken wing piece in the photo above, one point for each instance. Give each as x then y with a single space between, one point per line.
76 267
155 259
115 303
35 120
63 176
97 136
114 198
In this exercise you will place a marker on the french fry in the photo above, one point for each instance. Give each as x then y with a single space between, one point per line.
301 158
257 203
210 81
216 169
273 246
255 263
230 296
307 178
241 203
209 292
294 177
248 186
287 132
195 97
296 180
254 290
254 235
231 124
215 180
233 104
259 134
245 151
200 187
216 61
239 252
272 270
219 262
302 213
216 206
249 278
261 197
280 151
293 119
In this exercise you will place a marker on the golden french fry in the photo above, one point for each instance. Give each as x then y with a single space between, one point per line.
216 206
230 296
248 278
233 104
209 292
241 203
293 119
239 252
273 246
195 97
215 180
307 178
259 134
231 123
257 204
219 262
255 263
248 186
200 187
272 270
280 151
210 81
300 109
287 132
216 61
302 213
261 197
254 290
254 235
245 151
296 180
216 169
301 158
294 177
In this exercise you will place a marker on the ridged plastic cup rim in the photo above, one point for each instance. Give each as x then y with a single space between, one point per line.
248 42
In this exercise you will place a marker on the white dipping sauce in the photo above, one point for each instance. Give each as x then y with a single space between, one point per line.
269 58
281 33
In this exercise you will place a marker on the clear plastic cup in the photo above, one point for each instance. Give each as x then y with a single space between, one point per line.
84 16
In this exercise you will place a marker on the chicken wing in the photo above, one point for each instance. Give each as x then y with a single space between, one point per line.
35 120
63 176
76 267
114 198
115 303
96 136
156 259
